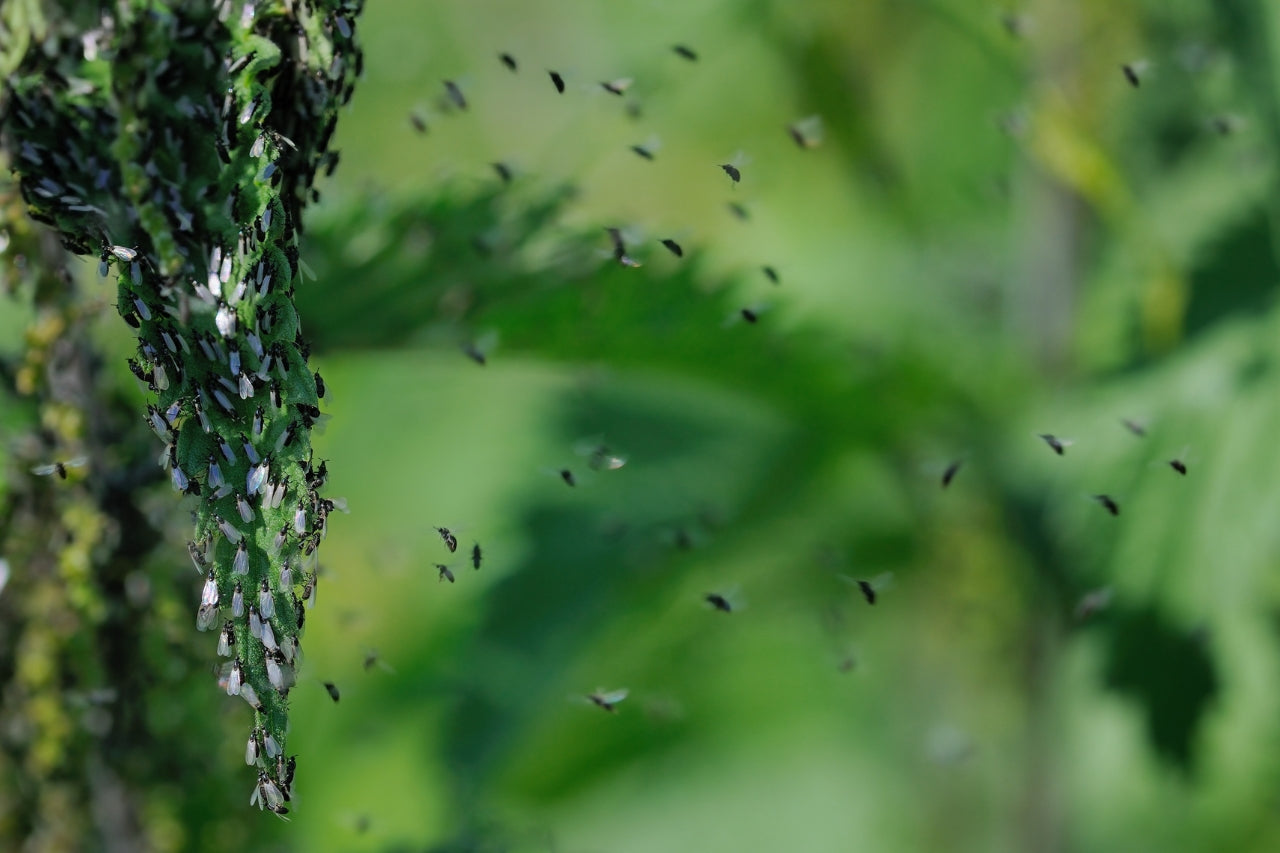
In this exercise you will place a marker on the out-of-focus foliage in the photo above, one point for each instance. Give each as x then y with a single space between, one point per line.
1000 236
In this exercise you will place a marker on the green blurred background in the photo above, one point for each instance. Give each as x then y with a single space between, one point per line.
999 236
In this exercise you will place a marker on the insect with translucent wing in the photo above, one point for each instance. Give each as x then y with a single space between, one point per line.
1108 503
807 132
1179 463
607 699
617 87
728 601
60 468
1059 445
620 248
1135 71
600 457
872 588
450 541
455 94
446 574
1135 427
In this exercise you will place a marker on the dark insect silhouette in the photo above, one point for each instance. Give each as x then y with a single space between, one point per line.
333 691
719 602
446 574
740 211
567 476
508 60
685 53
1108 503
620 248
807 132
749 315
674 247
1059 445
1133 72
950 474
1179 466
455 94
475 556
616 87
868 591
607 699
644 151
771 274
59 468
1134 427
419 123
557 81
450 541
504 172
732 171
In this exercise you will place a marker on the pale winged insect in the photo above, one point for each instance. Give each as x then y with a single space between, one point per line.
600 456
607 699
1059 445
1136 427
1108 503
733 168
60 468
479 349
648 149
620 255
617 87
727 601
807 132
870 589
454 92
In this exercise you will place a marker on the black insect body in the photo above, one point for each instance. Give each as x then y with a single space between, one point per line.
504 172
674 247
450 541
557 81
868 591
1108 503
719 602
749 315
685 52
771 274
446 574
1179 466
950 474
1059 445
732 171
567 476
508 60
333 691
475 556
458 99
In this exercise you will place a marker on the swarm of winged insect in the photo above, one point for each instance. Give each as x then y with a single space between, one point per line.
179 143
